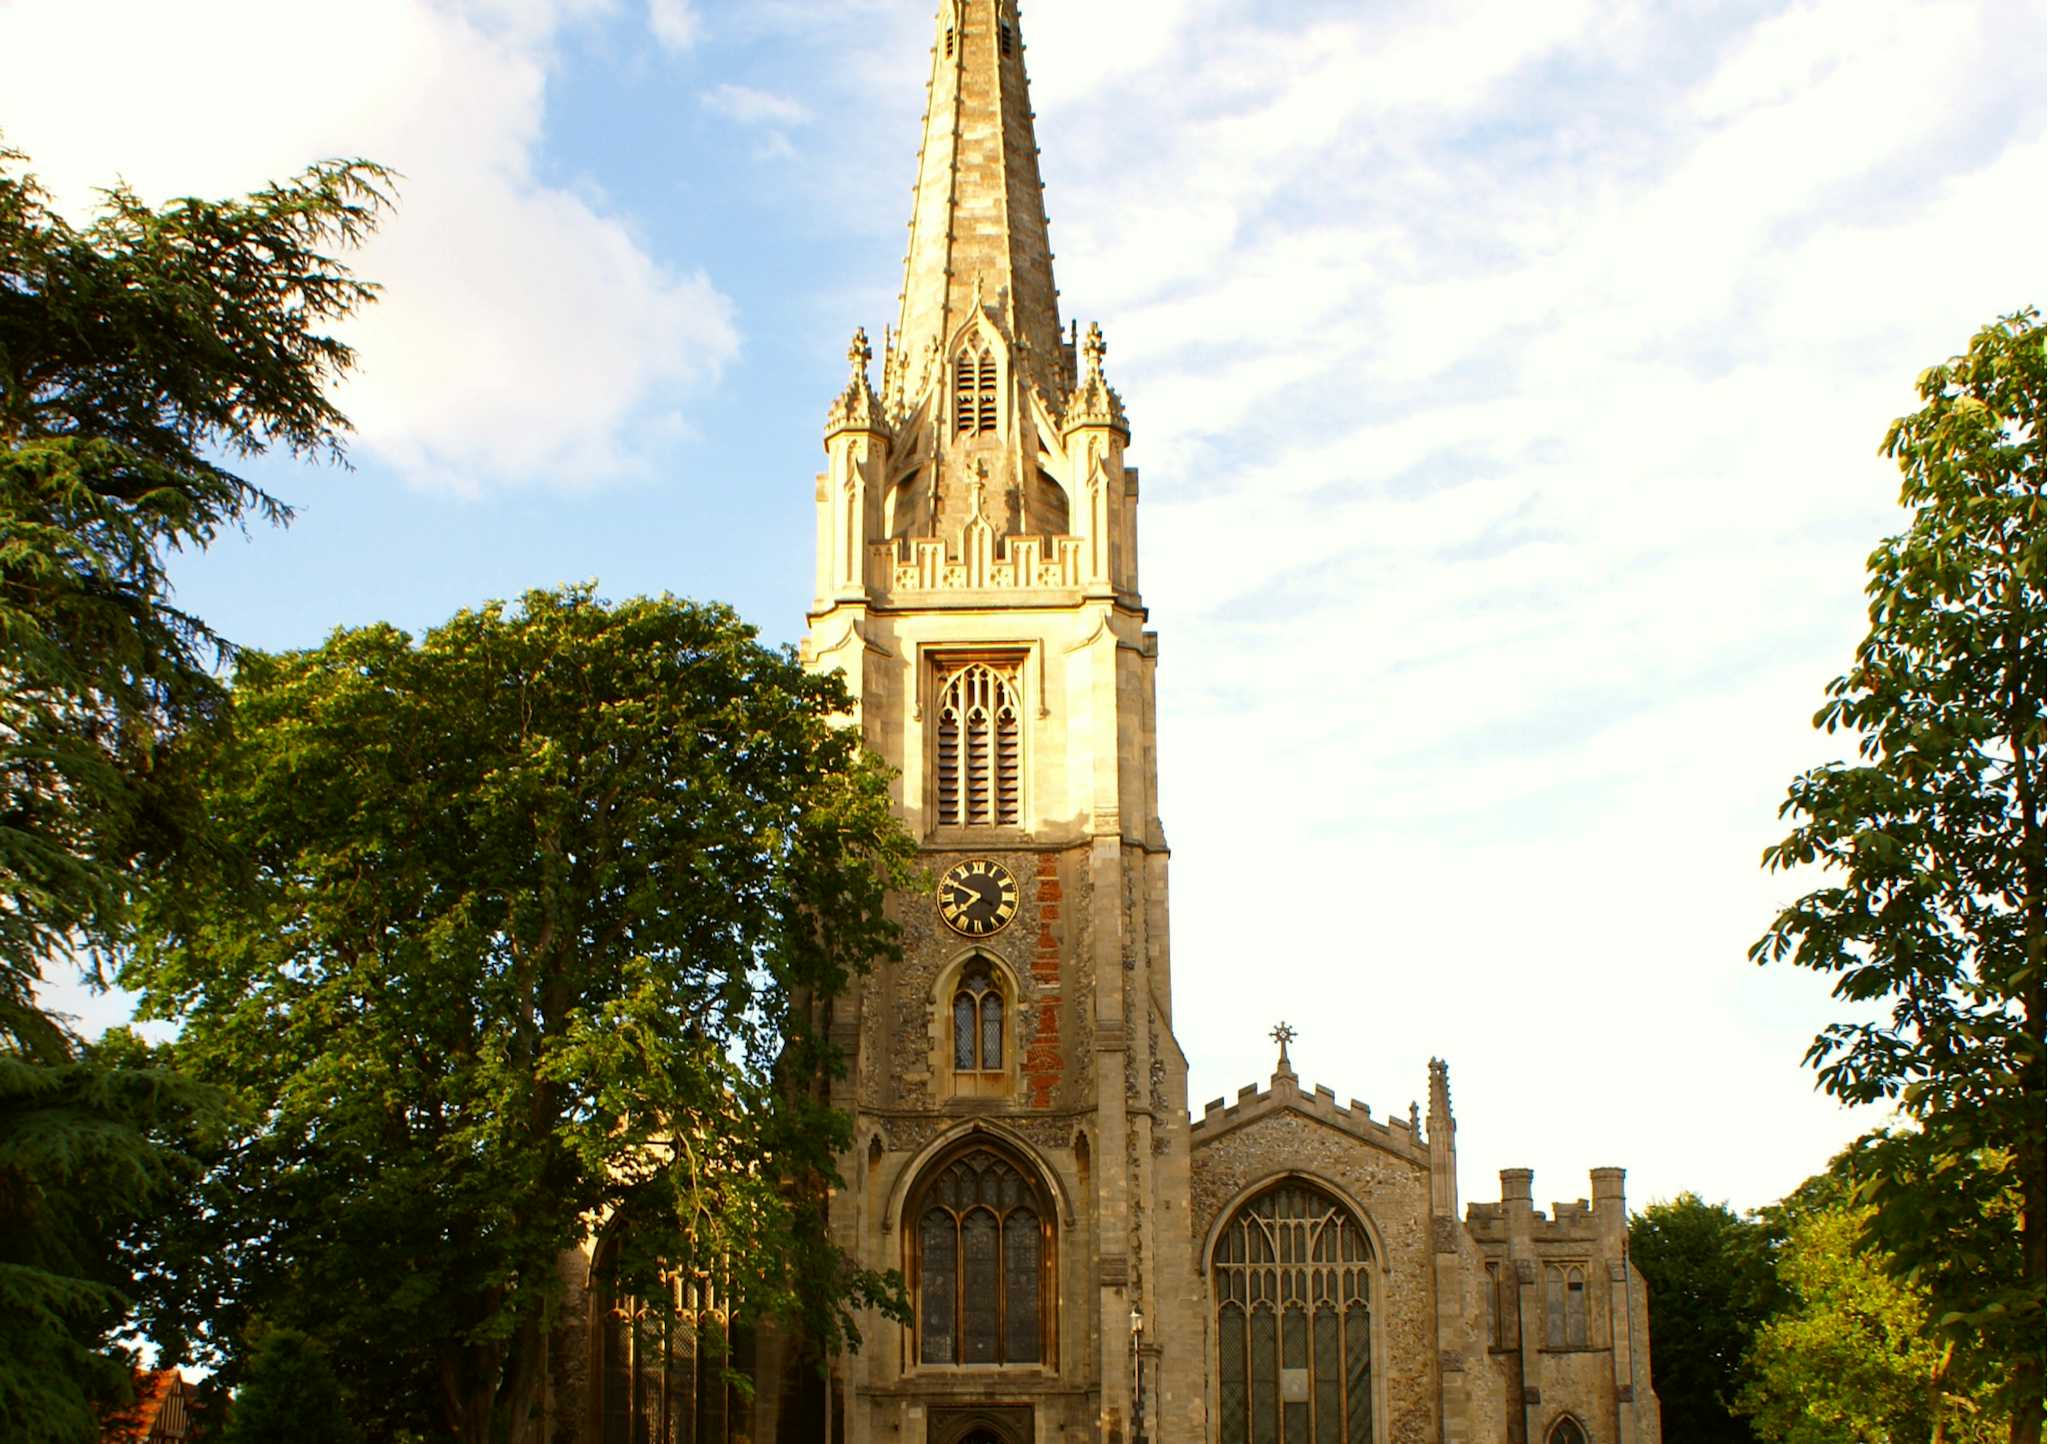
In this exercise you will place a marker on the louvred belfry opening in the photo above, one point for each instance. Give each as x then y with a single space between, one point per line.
978 748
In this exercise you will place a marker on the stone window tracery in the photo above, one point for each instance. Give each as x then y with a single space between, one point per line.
1293 1285
661 1373
979 1017
1565 1307
974 391
1567 1430
978 748
982 1263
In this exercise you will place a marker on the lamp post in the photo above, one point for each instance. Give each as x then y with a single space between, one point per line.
1138 1354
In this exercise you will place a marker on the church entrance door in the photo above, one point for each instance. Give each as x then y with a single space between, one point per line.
1001 1424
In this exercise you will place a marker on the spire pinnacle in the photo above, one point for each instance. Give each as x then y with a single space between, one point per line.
978 231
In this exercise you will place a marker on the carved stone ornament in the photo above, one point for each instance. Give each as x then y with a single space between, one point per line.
858 408
1446 1230
1095 402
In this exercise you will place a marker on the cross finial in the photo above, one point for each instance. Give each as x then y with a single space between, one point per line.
1283 1035
860 353
1094 349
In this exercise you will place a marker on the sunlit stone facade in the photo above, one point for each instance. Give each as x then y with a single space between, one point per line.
1024 1148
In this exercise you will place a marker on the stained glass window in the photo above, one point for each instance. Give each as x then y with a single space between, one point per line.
979 1011
661 1372
982 1264
1292 1278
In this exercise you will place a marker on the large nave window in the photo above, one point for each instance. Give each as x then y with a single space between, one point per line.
1293 1283
662 1374
982 1263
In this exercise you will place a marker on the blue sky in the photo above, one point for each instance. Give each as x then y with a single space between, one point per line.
1507 380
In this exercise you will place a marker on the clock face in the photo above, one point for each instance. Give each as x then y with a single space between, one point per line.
978 897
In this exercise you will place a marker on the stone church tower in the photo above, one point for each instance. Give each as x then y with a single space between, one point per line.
1016 1090
1086 1264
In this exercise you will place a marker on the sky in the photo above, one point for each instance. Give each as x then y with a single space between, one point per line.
1507 378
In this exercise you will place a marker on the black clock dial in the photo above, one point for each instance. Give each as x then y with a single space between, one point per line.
977 897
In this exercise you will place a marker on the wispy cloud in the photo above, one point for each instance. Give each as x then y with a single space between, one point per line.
525 333
674 23
748 106
1507 380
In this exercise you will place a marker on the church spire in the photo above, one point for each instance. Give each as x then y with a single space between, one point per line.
978 229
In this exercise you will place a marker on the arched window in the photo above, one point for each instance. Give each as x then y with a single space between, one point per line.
1293 1283
974 391
1565 1307
1566 1430
982 1264
661 1373
979 1012
978 749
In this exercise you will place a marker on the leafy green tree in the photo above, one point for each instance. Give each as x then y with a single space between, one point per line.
1711 1284
1934 845
1852 1357
521 926
290 1396
140 355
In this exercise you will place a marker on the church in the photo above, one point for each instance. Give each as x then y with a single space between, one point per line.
1088 1262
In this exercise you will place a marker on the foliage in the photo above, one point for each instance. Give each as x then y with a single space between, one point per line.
290 1396
521 926
1851 1358
1711 1285
136 352
1934 844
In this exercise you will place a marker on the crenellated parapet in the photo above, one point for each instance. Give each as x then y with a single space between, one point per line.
1402 1137
982 563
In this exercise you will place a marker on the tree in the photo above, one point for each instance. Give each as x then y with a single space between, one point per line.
521 927
139 355
1711 1285
1851 1358
1934 842
290 1396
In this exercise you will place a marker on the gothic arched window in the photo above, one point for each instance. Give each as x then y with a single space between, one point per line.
1566 1430
978 751
982 1263
1293 1284
1565 1323
974 391
979 1013
662 1373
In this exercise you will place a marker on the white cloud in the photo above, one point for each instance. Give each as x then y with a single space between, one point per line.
748 106
523 333
675 23
1507 382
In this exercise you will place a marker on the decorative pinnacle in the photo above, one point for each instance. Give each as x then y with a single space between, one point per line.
1093 350
860 353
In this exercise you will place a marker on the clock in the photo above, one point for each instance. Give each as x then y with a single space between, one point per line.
977 898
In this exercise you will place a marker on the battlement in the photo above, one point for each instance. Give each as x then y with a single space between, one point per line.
1021 563
1576 1221
1402 1136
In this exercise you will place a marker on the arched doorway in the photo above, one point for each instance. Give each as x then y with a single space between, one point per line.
981 1425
